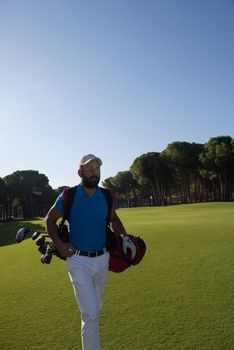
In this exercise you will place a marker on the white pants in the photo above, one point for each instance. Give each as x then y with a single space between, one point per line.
88 277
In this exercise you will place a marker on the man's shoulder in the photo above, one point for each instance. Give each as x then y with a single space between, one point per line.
105 190
108 193
69 191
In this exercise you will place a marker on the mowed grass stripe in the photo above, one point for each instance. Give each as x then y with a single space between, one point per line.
188 273
179 297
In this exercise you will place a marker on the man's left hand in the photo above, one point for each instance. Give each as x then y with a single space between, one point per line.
128 244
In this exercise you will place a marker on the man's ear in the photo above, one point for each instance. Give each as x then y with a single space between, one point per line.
79 172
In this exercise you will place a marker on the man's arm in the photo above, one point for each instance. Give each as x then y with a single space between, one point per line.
119 228
117 224
65 249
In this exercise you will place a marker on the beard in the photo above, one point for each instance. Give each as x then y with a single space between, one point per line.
90 182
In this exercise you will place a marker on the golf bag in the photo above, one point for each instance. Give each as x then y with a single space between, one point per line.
119 261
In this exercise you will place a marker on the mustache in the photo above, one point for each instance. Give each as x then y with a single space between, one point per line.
90 182
93 178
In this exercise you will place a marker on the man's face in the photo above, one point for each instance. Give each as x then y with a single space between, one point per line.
90 174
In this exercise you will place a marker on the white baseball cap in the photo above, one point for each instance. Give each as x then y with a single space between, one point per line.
88 157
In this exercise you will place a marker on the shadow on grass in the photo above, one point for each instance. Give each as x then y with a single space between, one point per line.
8 229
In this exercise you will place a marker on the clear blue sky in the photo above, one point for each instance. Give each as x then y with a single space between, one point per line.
117 78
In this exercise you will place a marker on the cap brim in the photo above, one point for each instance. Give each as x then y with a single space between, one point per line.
94 158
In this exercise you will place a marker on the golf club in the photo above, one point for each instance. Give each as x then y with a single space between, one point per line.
21 234
43 241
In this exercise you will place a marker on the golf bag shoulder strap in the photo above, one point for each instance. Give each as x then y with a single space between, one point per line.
110 201
68 197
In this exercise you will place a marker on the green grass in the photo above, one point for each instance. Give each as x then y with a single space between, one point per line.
179 297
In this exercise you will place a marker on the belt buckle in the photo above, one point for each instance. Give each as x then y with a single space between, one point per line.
95 254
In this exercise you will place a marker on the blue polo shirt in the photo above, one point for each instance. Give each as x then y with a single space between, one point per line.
87 223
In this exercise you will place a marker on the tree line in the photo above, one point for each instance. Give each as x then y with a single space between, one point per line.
26 194
182 173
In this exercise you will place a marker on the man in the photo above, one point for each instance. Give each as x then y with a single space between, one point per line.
86 256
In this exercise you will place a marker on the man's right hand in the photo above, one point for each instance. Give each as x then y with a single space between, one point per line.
65 249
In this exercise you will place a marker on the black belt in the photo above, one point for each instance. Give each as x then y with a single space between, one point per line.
91 254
